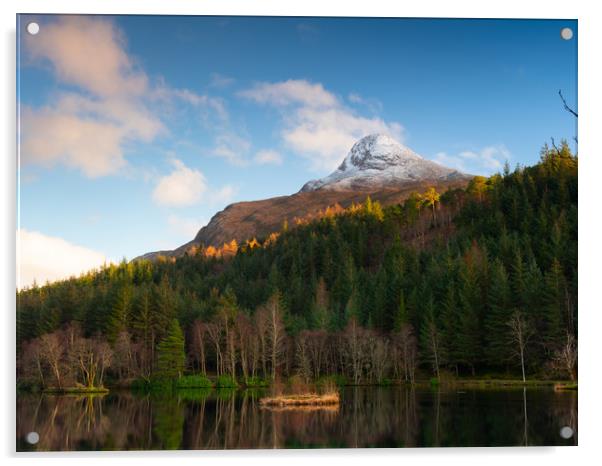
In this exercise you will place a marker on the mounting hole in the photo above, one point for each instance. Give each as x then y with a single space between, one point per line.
566 432
566 33
33 28
32 438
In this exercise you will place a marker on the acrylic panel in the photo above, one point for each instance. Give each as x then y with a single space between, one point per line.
295 232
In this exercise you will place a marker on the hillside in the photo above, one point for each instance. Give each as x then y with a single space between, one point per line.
376 166
441 275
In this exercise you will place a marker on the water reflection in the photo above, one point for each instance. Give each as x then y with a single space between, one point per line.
366 417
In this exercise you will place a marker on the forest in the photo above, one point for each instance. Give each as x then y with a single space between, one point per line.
471 282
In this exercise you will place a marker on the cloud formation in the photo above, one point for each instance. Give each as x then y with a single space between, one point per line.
487 161
186 186
182 187
44 258
317 125
106 101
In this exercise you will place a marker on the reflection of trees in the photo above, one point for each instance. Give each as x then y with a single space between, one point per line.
168 422
379 417
64 422
526 429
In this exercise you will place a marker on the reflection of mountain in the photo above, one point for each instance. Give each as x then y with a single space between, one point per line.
376 166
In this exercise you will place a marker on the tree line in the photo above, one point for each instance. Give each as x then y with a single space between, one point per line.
470 281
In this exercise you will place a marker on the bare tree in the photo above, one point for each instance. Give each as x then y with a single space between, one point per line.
379 356
32 361
244 332
433 344
406 352
276 336
565 358
123 360
53 352
261 324
566 106
520 333
354 349
568 109
302 355
318 350
92 356
199 334
214 331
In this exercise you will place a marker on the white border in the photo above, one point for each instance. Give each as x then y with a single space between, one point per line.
590 322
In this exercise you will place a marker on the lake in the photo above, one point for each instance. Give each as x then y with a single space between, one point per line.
366 417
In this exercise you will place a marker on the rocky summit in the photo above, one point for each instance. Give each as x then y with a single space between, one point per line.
379 161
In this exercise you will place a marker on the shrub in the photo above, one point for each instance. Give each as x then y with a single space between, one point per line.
156 385
226 381
194 394
194 381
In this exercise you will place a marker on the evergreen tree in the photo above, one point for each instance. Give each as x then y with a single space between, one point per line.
170 352
498 313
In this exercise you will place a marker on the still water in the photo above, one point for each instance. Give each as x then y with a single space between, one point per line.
366 417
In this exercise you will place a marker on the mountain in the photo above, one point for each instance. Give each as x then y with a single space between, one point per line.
378 161
377 166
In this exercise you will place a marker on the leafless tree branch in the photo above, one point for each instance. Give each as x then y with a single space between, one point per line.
566 107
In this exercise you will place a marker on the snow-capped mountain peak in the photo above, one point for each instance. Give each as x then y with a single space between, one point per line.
379 161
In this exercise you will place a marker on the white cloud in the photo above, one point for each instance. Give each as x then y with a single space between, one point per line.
317 125
44 258
487 161
182 187
109 102
186 186
268 156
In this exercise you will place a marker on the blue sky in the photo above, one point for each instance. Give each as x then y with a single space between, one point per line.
135 130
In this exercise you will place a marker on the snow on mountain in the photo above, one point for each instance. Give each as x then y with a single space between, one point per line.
379 161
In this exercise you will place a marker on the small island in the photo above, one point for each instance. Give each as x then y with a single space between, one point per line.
306 399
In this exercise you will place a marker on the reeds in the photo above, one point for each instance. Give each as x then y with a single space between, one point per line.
306 399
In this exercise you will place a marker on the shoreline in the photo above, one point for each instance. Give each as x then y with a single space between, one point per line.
473 383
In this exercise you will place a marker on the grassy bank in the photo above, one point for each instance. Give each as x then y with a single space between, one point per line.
76 390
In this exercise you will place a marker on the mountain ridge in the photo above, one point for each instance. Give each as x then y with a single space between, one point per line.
376 166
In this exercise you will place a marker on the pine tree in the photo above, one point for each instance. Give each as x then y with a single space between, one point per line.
170 352
555 306
497 315
120 313
450 326
468 336
401 316
430 338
